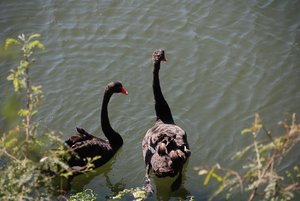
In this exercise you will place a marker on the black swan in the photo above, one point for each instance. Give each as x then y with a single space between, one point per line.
84 145
165 146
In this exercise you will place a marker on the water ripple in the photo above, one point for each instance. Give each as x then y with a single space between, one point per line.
226 61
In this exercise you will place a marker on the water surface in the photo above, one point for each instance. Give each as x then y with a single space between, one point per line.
227 60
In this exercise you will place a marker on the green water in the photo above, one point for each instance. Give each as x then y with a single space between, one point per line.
227 60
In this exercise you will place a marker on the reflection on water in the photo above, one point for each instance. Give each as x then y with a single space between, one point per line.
78 183
226 61
163 189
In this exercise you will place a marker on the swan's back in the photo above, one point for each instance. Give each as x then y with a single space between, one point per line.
80 136
165 146
95 147
83 145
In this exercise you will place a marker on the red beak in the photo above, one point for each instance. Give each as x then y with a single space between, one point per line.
124 91
165 60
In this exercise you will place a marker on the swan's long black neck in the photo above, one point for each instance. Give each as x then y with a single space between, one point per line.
163 111
113 137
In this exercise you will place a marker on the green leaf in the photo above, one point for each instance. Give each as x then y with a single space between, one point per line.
139 194
36 35
23 112
218 177
23 64
37 89
34 112
209 175
246 130
11 76
38 44
16 84
258 126
9 42
10 142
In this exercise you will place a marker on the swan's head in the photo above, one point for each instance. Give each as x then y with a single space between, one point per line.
158 56
116 87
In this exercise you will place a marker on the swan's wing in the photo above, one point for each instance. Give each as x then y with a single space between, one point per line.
91 148
152 137
83 150
179 141
80 136
147 149
168 136
166 148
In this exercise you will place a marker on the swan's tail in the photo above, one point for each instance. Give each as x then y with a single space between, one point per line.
81 131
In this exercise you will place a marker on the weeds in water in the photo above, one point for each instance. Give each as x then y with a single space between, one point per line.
22 147
262 178
137 194
86 195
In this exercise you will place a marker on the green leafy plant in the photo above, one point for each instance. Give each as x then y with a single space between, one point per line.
23 176
262 177
33 156
138 194
22 82
86 195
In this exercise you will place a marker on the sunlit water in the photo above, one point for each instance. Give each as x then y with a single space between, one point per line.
227 60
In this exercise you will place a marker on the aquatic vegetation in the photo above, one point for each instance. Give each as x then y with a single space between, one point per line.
22 147
138 194
86 195
261 176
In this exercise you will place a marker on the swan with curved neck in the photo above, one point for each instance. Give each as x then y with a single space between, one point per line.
84 145
165 146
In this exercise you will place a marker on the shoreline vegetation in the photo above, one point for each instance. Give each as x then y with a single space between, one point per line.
32 172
